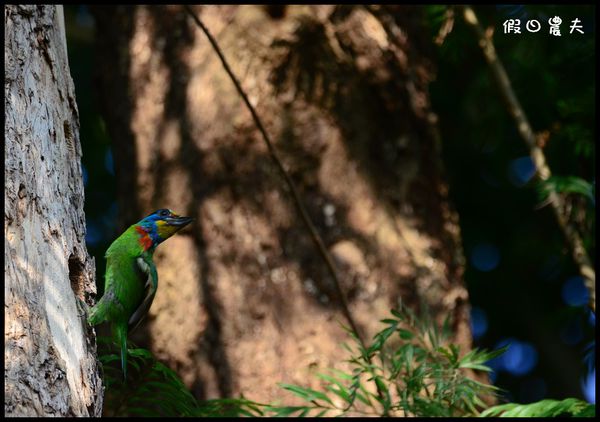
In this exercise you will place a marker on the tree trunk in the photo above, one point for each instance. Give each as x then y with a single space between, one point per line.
50 364
244 299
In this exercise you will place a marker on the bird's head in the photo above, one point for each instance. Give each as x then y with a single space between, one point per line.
159 226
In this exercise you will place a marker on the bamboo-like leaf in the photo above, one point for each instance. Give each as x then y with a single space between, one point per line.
307 393
341 374
448 354
341 391
106 359
543 408
285 410
398 314
321 413
405 334
565 184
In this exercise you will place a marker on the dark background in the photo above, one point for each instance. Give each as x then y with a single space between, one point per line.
523 286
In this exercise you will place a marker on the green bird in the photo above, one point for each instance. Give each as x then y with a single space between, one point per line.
131 279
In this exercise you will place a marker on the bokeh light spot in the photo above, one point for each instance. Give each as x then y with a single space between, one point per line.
519 359
497 364
513 11
108 162
84 18
588 386
485 257
574 292
589 357
521 170
84 174
479 322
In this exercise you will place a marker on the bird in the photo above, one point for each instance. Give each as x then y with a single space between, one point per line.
131 279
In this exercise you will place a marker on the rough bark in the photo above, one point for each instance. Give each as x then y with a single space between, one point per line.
50 364
244 300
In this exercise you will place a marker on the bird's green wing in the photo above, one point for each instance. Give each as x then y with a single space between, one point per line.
150 278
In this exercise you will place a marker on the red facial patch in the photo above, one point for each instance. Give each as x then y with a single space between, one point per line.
144 240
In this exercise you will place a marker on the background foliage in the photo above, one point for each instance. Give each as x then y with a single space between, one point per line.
523 285
516 252
408 369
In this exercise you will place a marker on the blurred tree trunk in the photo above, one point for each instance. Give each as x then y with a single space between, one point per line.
50 365
244 299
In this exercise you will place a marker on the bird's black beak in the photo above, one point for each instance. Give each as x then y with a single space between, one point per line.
178 221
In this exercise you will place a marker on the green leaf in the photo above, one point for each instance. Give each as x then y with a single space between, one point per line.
285 410
304 413
398 315
448 354
156 390
381 338
565 184
409 352
363 395
543 408
341 374
476 366
348 348
321 413
307 394
106 359
475 359
386 400
455 351
355 387
141 353
405 334
446 331
341 391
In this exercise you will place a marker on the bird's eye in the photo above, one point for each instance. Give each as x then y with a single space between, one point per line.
164 213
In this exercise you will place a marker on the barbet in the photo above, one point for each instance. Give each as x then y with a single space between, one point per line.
131 279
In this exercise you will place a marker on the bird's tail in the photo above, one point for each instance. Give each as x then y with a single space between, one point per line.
120 334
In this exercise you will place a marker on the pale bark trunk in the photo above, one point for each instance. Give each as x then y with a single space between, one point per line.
50 363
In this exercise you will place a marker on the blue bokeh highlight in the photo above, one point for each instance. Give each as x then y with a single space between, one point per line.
479 322
485 257
521 170
519 359
574 292
85 175
109 164
588 387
